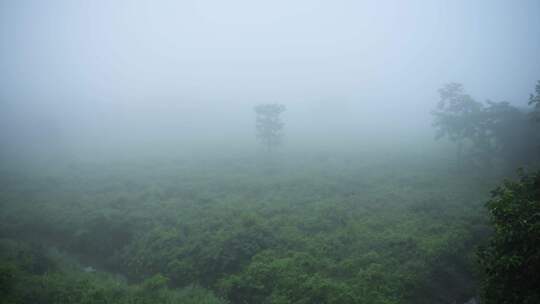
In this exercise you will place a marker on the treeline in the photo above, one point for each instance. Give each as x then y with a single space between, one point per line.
488 133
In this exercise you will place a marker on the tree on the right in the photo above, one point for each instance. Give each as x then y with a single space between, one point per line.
511 260
534 100
456 117
488 132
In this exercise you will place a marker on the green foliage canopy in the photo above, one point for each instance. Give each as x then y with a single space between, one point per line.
488 131
511 261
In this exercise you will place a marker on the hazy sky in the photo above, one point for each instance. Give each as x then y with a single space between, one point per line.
165 65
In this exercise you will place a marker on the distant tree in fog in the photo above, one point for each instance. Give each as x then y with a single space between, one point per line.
269 124
487 131
511 133
456 117
534 100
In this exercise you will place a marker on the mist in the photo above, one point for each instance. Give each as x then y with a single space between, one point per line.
134 73
234 152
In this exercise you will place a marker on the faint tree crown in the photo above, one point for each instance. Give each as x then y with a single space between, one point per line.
269 124
534 100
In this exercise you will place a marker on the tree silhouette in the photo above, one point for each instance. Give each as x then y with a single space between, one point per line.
457 116
269 124
534 100
486 131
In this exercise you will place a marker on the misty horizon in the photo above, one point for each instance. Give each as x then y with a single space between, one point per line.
131 72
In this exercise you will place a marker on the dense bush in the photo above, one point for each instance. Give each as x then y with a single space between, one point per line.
512 259
27 276
310 232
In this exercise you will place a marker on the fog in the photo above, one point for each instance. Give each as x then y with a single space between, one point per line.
284 152
110 74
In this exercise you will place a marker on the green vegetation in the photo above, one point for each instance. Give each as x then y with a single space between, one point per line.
494 132
512 258
359 230
29 274
346 227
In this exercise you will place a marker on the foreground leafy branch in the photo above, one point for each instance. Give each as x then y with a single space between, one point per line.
511 260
